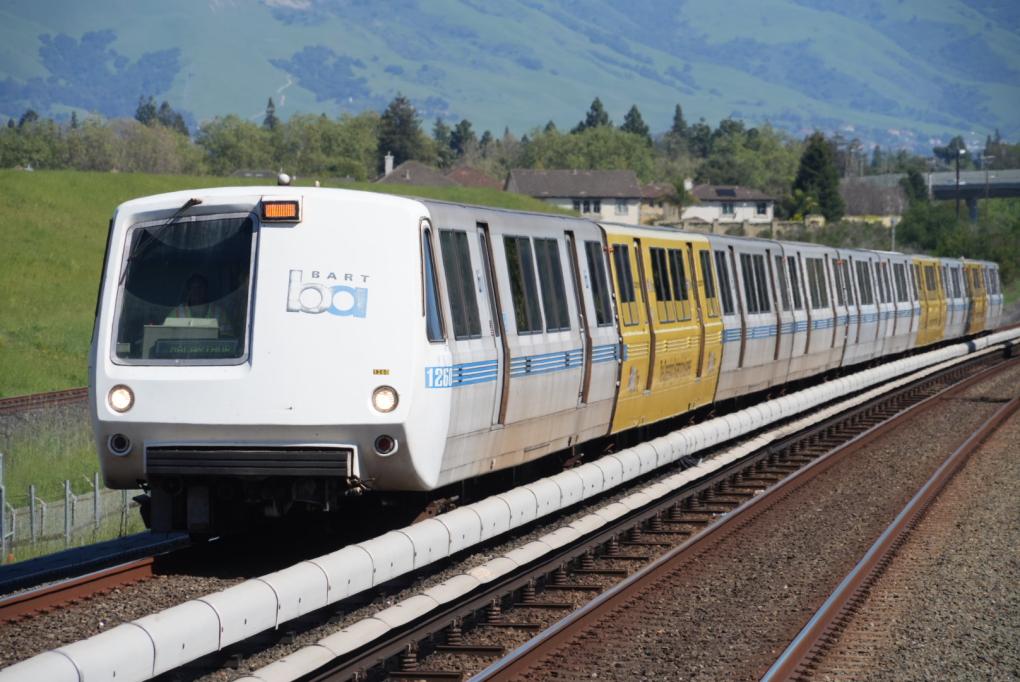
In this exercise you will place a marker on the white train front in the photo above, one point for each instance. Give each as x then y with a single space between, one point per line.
261 349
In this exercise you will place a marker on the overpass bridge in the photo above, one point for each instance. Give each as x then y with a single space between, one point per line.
973 186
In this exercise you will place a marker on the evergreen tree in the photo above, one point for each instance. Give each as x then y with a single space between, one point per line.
595 118
699 139
463 138
10 123
633 123
400 132
877 160
679 127
485 142
168 118
914 187
441 134
550 127
270 122
74 120
146 111
29 117
818 178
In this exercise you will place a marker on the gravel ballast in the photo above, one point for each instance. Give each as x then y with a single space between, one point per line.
729 613
948 606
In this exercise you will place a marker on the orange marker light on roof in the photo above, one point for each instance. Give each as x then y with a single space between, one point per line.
279 210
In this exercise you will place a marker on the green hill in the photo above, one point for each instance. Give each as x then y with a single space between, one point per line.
897 73
53 227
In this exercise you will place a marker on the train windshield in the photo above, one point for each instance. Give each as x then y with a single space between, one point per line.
185 292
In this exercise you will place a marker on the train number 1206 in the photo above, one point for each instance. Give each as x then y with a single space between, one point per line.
438 377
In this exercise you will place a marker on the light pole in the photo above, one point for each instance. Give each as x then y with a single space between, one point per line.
985 158
959 153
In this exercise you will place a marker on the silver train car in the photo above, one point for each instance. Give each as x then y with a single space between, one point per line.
259 350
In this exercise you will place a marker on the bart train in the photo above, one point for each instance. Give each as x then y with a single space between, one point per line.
270 348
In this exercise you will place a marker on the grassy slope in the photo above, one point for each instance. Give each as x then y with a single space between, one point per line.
53 231
494 91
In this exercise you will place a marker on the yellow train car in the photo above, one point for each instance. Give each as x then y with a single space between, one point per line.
977 292
668 306
933 302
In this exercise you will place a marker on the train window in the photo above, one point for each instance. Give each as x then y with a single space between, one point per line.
706 272
761 280
625 285
433 320
798 302
724 279
784 290
678 278
955 276
599 283
899 274
460 284
816 283
523 288
945 282
747 273
185 291
554 295
915 275
929 278
976 277
885 286
867 296
660 281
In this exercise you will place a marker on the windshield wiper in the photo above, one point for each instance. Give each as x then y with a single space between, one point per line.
139 249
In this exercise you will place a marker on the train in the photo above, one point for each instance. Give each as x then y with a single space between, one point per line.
261 350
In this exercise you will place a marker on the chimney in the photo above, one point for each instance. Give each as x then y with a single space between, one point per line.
388 160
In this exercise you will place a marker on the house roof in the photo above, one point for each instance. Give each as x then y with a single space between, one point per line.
574 183
658 190
416 173
469 176
728 193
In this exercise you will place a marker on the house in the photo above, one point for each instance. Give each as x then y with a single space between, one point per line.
659 204
729 204
613 195
469 176
868 201
416 173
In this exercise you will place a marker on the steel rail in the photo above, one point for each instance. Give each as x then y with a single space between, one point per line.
519 662
20 403
423 629
48 597
810 645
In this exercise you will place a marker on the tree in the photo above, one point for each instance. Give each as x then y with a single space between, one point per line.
463 139
679 127
818 178
595 118
28 118
145 113
914 187
956 149
168 118
634 124
699 139
74 120
441 135
877 160
270 122
231 143
400 132
550 127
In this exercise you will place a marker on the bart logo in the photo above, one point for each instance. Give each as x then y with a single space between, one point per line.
317 297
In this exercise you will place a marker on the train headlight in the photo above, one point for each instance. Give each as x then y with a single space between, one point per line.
121 398
385 399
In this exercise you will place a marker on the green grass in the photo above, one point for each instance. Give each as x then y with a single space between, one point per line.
53 228
45 448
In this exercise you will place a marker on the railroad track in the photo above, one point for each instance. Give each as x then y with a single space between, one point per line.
801 660
33 401
527 600
837 440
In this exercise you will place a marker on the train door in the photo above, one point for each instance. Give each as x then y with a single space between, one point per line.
785 323
636 339
840 281
705 298
496 324
473 335
582 317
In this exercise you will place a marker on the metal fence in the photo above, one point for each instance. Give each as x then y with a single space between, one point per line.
66 521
